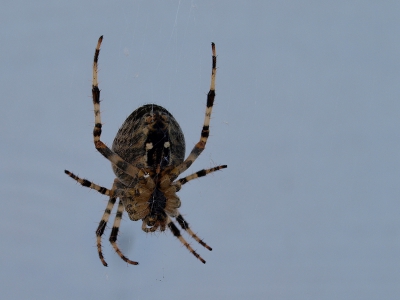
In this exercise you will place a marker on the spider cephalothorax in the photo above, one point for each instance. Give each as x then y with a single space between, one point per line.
147 155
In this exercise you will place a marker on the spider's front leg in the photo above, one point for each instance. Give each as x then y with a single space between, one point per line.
175 231
114 234
185 226
116 225
102 227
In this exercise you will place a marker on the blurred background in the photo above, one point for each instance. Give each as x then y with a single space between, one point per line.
306 118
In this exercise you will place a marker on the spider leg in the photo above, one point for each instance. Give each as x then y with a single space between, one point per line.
102 226
185 226
198 174
87 183
177 233
114 234
114 158
199 147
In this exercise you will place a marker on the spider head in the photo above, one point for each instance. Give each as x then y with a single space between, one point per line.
152 202
154 221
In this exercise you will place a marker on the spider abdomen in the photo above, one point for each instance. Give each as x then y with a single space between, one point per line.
150 139
147 157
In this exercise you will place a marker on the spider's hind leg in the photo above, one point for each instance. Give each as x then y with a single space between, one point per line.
205 132
114 158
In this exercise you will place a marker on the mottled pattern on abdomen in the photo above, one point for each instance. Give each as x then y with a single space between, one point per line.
130 142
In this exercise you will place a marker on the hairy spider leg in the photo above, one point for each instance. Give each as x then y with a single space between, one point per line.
177 233
102 226
185 226
89 184
114 234
140 174
198 174
100 146
205 132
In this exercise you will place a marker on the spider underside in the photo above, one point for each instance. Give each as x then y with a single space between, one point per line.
147 156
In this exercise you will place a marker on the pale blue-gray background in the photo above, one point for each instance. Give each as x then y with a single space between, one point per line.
306 117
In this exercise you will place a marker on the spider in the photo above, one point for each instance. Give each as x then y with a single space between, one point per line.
147 156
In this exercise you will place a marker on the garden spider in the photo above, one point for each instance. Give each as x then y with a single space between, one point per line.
147 156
